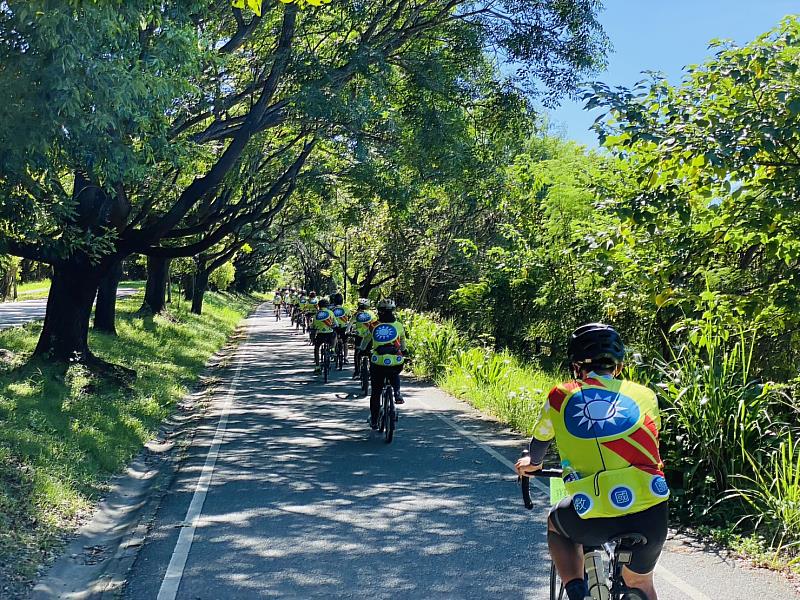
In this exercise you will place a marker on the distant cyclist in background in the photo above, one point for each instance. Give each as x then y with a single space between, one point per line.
359 327
276 303
322 330
606 430
310 310
342 317
302 302
388 339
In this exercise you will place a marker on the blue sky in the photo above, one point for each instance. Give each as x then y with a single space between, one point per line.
665 36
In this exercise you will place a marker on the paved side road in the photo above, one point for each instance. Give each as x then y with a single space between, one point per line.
25 311
285 493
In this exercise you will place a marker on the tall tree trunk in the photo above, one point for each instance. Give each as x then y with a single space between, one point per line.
188 286
156 286
200 286
65 333
105 312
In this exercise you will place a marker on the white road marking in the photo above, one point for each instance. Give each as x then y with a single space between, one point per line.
691 592
177 563
680 584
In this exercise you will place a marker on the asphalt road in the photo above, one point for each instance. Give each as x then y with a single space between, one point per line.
289 495
25 311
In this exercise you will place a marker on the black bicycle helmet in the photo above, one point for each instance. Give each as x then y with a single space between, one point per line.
596 343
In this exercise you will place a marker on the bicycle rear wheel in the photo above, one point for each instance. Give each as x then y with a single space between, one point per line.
326 360
339 356
556 586
388 413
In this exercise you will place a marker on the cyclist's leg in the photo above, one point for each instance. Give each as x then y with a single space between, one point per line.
643 582
318 339
377 375
651 523
567 554
356 355
394 379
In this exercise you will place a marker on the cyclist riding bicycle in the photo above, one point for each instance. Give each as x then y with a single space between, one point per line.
359 327
277 300
310 310
388 339
606 430
342 317
322 328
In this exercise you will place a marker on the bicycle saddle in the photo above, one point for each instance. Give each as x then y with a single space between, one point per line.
626 540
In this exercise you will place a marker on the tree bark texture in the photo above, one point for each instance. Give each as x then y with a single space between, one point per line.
200 287
105 312
65 333
156 287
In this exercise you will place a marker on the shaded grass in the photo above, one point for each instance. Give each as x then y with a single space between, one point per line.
64 431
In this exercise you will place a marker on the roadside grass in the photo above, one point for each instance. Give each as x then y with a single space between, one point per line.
496 383
64 431
500 385
33 290
36 290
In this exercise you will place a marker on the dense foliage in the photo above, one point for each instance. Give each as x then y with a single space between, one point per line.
682 232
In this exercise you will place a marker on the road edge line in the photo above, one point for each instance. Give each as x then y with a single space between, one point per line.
180 554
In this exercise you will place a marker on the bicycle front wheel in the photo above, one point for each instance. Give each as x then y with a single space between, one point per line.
556 586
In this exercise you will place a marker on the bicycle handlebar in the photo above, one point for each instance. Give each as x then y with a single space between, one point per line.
525 482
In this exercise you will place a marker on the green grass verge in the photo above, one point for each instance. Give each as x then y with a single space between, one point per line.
498 384
64 432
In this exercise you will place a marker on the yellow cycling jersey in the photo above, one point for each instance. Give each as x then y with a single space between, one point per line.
342 315
607 431
388 344
324 321
363 322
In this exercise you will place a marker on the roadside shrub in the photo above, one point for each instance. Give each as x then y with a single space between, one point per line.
720 420
222 276
773 495
433 344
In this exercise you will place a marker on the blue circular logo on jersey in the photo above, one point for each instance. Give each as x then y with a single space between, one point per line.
338 311
659 486
621 497
363 317
384 333
374 358
592 413
322 315
582 503
387 361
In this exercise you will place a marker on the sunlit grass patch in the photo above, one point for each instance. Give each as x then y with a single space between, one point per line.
64 431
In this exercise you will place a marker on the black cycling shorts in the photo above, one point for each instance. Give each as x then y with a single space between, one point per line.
593 533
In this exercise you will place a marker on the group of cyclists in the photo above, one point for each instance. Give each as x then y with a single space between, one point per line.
374 333
606 430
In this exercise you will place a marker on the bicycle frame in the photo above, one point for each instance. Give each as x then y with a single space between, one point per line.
617 590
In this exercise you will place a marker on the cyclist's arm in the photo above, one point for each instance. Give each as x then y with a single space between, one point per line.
543 434
365 341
